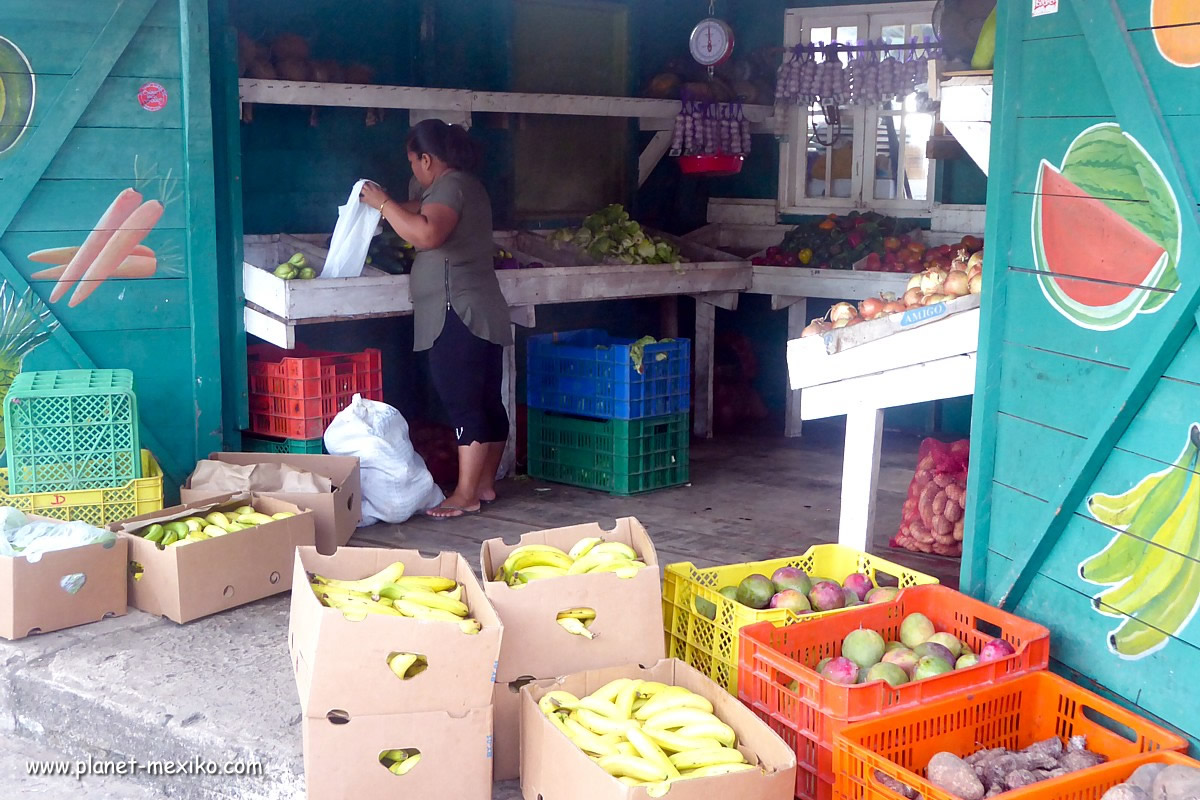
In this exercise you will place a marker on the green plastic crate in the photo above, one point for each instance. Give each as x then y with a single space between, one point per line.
69 430
619 456
269 444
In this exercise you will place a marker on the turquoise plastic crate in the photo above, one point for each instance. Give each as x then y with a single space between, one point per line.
68 430
619 456
270 444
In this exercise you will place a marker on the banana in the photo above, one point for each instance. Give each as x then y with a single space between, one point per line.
626 749
557 700
710 730
1121 557
154 533
1117 510
257 518
536 572
470 626
1162 563
576 627
533 555
393 755
370 585
592 560
578 613
609 691
332 591
650 688
282 515
170 538
698 759
418 611
243 510
620 548
632 767
198 536
218 519
679 718
624 701
193 524
597 723
430 599
581 548
649 750
673 697
455 594
590 742
212 530
359 609
716 769
428 583
674 743
407 665
405 766
603 708
623 567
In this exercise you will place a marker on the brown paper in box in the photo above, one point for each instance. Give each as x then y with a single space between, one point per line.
194 580
337 512
553 768
341 761
32 599
218 477
341 663
628 625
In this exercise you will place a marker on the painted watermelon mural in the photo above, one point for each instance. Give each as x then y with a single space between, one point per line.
1151 568
1106 231
18 90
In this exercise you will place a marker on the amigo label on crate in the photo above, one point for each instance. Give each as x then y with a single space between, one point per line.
843 339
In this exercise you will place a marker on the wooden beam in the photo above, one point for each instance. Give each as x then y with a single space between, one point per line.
702 375
781 302
860 477
1139 114
508 462
525 316
655 150
725 300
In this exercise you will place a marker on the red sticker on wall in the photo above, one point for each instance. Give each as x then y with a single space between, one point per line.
153 97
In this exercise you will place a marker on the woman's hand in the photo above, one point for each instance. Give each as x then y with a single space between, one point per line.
373 195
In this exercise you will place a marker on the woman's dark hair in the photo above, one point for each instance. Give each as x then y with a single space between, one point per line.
450 143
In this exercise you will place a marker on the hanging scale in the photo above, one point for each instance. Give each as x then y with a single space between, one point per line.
712 41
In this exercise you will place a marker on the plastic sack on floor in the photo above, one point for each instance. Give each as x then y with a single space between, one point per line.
351 238
395 482
932 521
21 537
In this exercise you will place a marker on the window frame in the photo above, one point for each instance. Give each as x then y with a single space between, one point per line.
793 147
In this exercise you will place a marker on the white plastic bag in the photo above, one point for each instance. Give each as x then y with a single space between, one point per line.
22 537
395 482
351 238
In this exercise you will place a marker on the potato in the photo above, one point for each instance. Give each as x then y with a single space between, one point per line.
1143 777
939 503
943 479
1019 778
1076 760
896 786
949 772
953 512
1125 791
1176 782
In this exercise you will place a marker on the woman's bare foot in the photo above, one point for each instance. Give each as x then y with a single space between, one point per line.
454 506
487 495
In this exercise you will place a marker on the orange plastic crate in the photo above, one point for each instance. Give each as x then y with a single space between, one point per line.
1014 714
295 394
809 717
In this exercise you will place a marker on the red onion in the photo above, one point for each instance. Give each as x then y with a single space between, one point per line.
957 283
913 297
870 307
815 328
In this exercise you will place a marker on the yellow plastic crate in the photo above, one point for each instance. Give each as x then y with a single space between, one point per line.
711 646
94 506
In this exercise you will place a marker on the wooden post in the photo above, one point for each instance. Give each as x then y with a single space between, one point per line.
508 463
860 477
668 311
797 318
702 346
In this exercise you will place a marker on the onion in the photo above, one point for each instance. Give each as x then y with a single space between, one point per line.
973 271
815 328
913 297
854 321
894 307
975 284
843 311
976 260
932 281
957 283
841 323
914 282
870 307
289 45
931 299
294 69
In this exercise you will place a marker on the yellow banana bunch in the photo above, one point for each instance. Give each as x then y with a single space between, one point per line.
577 620
407 665
534 562
400 762
369 585
671 736
390 592
1151 567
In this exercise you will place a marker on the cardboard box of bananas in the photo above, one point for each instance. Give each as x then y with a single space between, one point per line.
196 559
663 730
575 598
380 631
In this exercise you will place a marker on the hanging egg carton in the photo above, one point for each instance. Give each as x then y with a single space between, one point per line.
711 139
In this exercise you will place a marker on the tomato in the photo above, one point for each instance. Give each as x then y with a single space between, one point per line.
826 225
891 243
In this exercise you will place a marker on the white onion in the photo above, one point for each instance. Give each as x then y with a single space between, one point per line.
932 281
957 283
976 284
913 297
914 282
843 311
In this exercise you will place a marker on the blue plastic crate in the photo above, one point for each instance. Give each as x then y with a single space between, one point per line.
589 373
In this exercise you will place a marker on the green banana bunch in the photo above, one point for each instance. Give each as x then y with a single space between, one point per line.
400 762
1153 566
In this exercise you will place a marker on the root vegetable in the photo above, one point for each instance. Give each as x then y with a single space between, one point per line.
894 307
118 248
262 70
939 503
1019 778
932 299
957 283
843 311
920 533
1080 759
870 308
815 328
976 284
896 786
932 281
942 527
1176 782
359 74
949 772
913 297
1143 777
122 207
63 255
953 512
1125 791
943 479
133 267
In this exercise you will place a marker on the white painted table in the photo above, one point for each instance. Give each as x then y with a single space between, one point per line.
932 362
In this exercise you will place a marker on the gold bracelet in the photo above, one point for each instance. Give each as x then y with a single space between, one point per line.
384 203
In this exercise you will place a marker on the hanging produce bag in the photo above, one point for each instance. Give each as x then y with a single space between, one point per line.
937 498
351 238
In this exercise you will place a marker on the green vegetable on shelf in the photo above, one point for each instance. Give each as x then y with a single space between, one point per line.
610 234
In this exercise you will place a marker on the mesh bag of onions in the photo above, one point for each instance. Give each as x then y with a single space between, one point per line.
937 497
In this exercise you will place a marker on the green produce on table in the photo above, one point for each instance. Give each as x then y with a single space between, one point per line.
391 254
295 267
637 351
611 234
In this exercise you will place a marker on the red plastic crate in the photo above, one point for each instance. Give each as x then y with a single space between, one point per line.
809 717
295 394
1013 714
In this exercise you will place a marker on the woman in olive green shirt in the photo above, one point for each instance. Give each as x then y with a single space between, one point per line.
459 314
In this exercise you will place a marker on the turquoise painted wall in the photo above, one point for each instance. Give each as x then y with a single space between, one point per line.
1055 354
122 106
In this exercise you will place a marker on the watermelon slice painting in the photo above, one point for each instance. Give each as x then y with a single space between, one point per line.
1106 231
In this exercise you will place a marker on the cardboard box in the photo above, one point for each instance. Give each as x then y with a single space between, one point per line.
342 664
553 768
341 755
628 624
506 727
337 514
32 597
202 578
